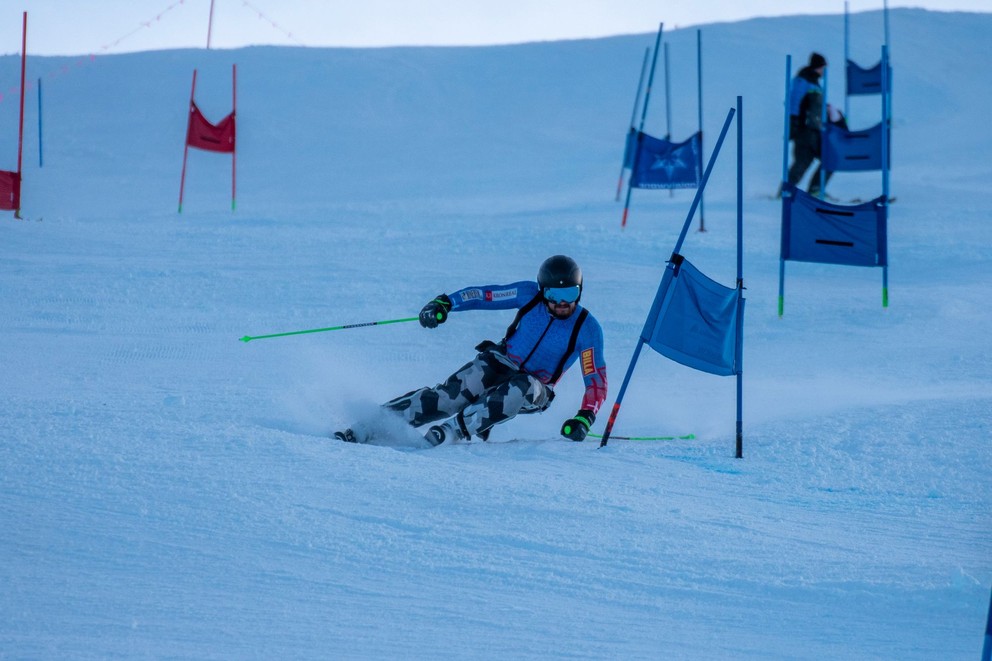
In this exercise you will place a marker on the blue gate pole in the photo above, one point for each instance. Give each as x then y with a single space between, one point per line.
633 116
739 366
885 14
785 135
40 158
823 135
663 286
698 199
699 84
847 58
785 164
668 101
886 124
644 113
668 108
987 647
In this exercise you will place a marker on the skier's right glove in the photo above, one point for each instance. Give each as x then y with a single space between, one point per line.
435 312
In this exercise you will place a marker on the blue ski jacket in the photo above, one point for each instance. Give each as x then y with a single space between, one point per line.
541 339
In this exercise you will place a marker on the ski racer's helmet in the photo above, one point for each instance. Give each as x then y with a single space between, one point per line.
560 279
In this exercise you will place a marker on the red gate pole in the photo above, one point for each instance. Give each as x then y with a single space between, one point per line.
20 130
234 114
182 179
210 23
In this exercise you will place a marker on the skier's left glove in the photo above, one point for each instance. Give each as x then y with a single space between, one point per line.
435 312
575 429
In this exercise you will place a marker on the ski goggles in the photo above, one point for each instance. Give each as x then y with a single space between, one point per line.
562 294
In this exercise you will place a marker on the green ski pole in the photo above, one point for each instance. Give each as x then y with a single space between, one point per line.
684 437
249 338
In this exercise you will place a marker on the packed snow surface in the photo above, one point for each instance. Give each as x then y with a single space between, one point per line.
169 491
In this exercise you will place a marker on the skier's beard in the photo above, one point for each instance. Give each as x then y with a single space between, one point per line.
561 310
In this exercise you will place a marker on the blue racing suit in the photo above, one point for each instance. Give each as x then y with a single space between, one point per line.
540 339
517 374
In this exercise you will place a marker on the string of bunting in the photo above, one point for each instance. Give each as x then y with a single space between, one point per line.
64 69
272 23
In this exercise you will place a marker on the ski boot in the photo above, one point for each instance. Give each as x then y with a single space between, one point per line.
450 430
347 436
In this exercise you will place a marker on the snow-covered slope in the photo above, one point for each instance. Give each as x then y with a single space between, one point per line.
166 490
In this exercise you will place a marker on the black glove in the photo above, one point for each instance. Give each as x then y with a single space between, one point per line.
575 429
435 312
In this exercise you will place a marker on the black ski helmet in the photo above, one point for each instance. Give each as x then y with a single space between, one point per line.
559 271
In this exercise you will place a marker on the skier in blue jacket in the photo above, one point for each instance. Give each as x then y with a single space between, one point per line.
551 332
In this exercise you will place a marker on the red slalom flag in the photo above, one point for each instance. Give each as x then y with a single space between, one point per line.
10 190
219 137
201 134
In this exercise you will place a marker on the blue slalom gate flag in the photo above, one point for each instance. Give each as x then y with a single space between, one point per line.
693 320
817 231
660 163
852 151
698 321
866 81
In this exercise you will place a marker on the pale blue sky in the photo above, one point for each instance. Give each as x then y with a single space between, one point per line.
75 27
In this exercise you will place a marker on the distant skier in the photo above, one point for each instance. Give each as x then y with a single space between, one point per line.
517 375
806 122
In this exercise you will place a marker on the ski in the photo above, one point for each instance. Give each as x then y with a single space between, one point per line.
858 200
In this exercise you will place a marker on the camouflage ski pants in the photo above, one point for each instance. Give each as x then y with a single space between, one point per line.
486 391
